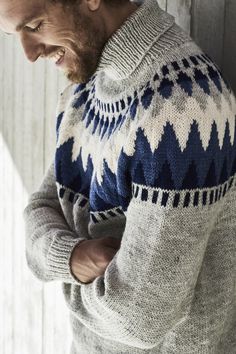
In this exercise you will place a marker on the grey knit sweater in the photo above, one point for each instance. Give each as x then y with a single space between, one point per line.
146 152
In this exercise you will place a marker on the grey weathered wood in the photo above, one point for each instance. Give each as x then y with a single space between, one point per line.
229 54
33 101
21 158
6 196
208 20
28 154
180 9
163 4
54 341
2 258
54 84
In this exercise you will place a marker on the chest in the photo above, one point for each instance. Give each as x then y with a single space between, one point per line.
90 162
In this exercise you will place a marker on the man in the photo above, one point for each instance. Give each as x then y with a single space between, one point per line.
137 214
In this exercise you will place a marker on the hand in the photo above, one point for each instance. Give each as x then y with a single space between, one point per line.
91 257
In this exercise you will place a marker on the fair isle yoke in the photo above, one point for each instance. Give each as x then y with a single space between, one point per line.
193 154
146 152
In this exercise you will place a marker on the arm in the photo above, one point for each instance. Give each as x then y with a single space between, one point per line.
49 240
149 284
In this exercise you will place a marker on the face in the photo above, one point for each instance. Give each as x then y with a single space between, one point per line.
72 36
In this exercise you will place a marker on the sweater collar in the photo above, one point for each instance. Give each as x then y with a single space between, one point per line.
127 47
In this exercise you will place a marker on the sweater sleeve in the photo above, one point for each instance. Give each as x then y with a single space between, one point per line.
178 190
148 286
49 240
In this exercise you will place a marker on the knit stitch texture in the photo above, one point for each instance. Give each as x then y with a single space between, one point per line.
146 152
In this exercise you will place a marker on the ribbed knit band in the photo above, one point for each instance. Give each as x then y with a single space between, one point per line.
149 21
59 258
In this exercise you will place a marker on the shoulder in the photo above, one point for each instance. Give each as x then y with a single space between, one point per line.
183 132
186 88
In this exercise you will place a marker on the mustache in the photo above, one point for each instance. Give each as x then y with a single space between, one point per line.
70 47
51 53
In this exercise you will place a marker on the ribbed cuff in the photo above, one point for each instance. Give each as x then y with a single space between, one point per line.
58 259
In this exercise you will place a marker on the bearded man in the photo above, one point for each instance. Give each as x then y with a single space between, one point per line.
136 215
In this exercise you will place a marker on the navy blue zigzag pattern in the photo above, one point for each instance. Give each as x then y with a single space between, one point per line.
71 174
170 168
167 168
113 191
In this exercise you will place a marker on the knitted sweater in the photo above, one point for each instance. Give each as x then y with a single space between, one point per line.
146 152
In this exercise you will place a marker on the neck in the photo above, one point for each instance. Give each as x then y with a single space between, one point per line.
129 45
115 16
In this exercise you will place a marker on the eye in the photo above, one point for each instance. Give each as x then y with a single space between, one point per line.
36 29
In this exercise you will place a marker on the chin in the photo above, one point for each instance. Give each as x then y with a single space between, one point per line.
76 75
75 78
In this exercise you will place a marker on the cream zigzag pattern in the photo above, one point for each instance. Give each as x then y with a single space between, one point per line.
153 124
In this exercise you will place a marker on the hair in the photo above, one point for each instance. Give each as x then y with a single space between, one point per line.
115 1
108 2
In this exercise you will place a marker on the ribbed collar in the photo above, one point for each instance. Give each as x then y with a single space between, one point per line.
127 47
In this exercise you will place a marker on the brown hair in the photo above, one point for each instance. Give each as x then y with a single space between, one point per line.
108 2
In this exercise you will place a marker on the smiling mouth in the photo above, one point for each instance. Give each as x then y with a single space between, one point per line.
58 57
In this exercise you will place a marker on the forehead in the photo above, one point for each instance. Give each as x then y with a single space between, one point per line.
12 12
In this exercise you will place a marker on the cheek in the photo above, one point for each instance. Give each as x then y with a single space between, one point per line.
70 62
57 36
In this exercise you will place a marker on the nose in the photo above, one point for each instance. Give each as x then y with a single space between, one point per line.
32 47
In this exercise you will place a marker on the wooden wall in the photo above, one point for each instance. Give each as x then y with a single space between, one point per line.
33 317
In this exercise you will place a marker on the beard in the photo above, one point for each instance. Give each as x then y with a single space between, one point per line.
86 48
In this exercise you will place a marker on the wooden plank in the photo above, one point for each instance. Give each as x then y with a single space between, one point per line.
229 58
51 97
33 109
163 4
16 199
208 27
2 224
25 125
23 291
54 83
181 10
56 327
6 195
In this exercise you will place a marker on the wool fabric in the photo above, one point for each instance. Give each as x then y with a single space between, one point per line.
146 153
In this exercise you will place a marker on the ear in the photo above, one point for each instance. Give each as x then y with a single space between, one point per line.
93 5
